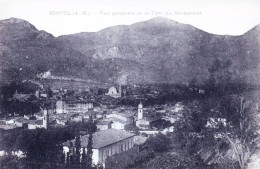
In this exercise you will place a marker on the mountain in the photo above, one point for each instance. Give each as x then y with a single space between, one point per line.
26 51
159 50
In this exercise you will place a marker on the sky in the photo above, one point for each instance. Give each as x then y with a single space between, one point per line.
60 17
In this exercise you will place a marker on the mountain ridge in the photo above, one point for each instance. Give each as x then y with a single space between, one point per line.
156 50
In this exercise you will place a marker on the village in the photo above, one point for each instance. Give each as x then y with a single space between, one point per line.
129 85
120 127
124 116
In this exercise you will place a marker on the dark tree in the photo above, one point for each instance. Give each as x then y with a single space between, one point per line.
77 149
68 158
62 161
84 159
72 153
91 129
158 143
89 151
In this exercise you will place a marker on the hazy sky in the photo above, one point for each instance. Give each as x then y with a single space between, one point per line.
232 17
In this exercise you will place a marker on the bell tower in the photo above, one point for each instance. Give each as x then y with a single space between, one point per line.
140 111
45 119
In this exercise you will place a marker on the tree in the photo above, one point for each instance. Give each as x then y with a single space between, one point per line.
158 143
84 158
91 125
68 158
8 142
13 162
77 149
72 153
62 159
242 135
89 151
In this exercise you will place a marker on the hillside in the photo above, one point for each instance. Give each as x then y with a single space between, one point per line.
159 50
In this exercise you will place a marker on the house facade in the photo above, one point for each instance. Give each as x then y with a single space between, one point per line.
105 143
113 92
104 125
121 120
69 106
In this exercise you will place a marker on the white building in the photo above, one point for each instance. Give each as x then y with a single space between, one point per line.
128 117
201 91
44 75
104 125
121 120
119 124
105 143
113 92
40 123
147 122
21 122
68 106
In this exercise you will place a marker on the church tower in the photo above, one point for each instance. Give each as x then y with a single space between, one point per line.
45 119
140 111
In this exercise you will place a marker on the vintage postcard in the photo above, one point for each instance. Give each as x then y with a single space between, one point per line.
129 84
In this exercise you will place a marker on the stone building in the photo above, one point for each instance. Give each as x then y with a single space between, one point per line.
40 123
113 92
104 125
105 143
145 122
71 106
121 120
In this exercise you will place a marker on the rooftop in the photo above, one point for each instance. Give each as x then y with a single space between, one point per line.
103 138
36 122
104 122
151 119
124 114
114 119
8 127
22 120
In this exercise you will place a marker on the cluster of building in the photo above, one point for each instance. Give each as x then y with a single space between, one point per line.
114 133
116 125
30 122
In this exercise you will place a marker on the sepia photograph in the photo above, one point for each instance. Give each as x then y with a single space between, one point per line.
129 84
